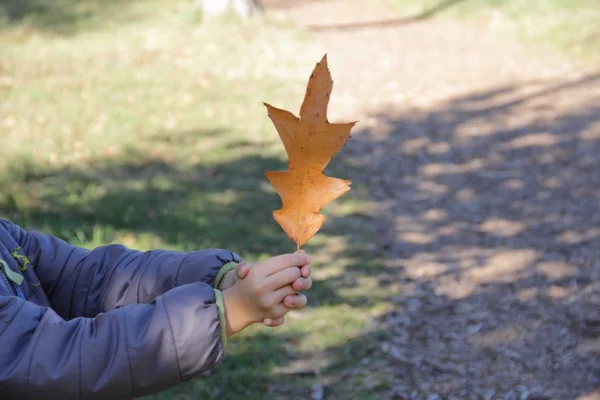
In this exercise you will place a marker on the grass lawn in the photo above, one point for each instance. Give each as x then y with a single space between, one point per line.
133 123
571 26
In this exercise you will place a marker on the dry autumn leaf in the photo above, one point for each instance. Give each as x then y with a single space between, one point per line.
310 142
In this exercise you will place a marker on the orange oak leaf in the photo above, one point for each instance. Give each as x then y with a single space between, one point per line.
310 142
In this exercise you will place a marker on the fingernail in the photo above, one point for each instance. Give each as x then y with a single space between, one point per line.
268 321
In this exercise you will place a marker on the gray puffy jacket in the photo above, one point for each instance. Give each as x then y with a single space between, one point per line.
111 323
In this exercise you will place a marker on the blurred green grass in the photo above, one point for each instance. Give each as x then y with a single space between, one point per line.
134 123
570 26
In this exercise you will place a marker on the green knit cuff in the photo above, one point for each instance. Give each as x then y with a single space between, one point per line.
224 269
221 307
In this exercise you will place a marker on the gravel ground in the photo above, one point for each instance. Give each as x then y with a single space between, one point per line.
483 158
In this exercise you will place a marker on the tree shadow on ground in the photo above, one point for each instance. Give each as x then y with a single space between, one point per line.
421 16
251 367
185 205
483 239
65 17
192 206
487 228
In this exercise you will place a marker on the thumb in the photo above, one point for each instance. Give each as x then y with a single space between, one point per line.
242 269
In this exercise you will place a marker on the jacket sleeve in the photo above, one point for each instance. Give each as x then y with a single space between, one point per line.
120 354
80 282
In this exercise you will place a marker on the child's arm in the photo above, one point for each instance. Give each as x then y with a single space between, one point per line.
120 354
80 282
139 349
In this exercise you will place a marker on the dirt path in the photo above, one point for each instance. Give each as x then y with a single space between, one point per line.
483 156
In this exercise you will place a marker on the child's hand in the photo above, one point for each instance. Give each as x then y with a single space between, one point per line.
260 294
242 269
292 301
296 300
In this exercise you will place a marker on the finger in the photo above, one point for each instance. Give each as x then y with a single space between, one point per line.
278 295
242 269
273 323
281 262
278 311
282 278
302 284
278 322
305 270
297 300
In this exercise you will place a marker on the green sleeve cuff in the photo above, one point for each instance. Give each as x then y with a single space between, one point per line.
221 307
224 269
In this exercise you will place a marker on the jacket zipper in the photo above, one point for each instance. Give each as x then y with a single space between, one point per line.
15 279
10 287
